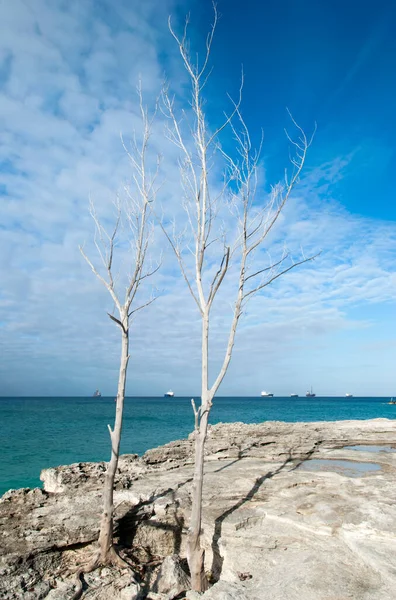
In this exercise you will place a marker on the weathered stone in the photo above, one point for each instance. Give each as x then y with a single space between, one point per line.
90 475
172 578
271 530
225 590
62 591
117 587
190 595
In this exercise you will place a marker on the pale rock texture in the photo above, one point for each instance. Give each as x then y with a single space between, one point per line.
273 527
172 578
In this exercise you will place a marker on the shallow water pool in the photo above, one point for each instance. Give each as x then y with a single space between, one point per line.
371 448
348 468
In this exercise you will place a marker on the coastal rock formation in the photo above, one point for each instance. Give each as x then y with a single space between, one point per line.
290 511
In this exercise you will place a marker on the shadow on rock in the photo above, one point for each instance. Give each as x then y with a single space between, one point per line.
296 461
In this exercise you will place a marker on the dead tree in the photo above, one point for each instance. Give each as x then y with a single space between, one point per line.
133 214
204 202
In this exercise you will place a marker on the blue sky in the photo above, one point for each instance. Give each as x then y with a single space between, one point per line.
68 72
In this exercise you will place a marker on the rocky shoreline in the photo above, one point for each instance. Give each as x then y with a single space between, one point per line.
277 523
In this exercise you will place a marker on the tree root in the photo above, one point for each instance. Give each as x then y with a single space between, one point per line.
88 568
115 560
112 559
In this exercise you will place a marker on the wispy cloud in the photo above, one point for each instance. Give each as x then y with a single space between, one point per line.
67 78
369 47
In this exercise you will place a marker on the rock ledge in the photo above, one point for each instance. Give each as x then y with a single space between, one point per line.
274 527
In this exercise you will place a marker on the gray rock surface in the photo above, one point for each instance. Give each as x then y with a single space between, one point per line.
273 528
171 578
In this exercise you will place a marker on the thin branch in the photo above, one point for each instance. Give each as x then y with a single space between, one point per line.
219 276
142 306
197 412
181 265
118 322
270 268
99 276
293 266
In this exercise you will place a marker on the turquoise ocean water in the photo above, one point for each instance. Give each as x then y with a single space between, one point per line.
42 432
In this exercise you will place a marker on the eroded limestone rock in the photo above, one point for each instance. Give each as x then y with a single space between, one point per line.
270 528
172 578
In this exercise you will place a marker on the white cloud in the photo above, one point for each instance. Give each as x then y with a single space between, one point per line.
67 93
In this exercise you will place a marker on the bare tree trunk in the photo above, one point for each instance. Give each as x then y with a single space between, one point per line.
195 554
106 526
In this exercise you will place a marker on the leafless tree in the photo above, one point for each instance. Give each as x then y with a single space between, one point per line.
254 220
134 214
